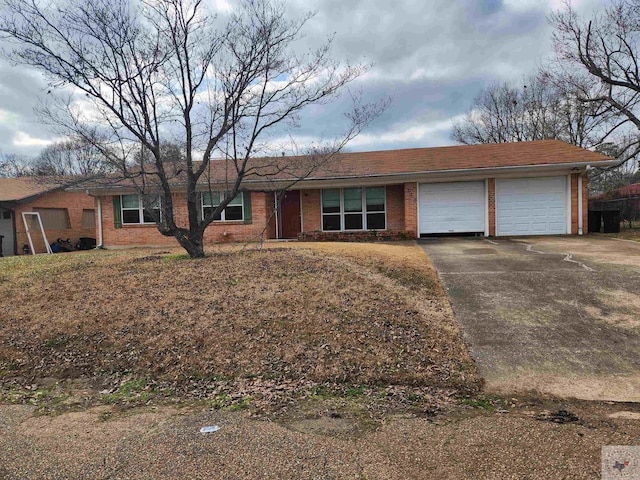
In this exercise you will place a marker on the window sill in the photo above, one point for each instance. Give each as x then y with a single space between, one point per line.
138 225
356 231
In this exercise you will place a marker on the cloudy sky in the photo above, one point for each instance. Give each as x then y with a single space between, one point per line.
431 57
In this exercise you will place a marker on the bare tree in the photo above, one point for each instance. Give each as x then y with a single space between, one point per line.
606 180
606 50
540 109
15 165
153 71
71 157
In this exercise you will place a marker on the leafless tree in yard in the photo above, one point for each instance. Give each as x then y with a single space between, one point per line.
148 73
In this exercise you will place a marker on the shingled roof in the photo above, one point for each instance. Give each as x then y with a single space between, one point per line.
463 157
16 189
412 161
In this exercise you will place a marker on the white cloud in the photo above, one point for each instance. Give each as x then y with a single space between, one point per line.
222 5
23 139
8 118
422 133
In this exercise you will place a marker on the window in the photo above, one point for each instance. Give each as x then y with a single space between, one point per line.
233 212
331 210
88 218
54 218
134 211
6 215
376 214
354 209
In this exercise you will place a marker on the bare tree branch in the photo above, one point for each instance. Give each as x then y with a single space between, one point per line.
145 74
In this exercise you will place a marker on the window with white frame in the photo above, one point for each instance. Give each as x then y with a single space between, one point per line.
354 209
134 211
234 210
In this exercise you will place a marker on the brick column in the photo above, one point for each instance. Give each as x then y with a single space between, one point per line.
574 204
411 209
585 204
492 206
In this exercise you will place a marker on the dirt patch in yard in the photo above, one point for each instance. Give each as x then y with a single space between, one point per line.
518 438
253 322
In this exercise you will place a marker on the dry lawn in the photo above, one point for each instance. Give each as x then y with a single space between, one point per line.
287 316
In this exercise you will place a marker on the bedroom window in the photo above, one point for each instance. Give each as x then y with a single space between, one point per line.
134 211
233 212
351 209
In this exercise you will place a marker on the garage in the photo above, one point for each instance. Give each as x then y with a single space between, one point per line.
531 206
457 207
6 233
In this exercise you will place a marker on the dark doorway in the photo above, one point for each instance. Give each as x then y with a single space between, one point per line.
290 223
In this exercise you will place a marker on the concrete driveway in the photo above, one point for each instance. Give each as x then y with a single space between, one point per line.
559 315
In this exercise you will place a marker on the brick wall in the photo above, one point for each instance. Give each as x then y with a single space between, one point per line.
147 234
411 208
395 207
311 213
74 202
492 206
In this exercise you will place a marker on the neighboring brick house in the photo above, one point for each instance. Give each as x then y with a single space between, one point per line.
65 214
526 188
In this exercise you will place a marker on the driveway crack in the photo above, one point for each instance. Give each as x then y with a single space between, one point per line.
568 257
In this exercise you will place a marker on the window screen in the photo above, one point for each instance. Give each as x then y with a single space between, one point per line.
88 218
54 218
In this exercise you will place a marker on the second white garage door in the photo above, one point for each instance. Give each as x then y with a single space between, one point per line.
531 206
456 207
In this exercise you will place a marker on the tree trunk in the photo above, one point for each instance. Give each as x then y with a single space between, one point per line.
193 245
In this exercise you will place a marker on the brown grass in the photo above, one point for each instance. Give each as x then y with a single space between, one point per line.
359 314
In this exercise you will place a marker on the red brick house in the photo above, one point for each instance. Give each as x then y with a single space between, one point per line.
527 188
64 213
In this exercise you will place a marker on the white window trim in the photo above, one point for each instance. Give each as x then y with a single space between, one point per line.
224 212
363 212
140 211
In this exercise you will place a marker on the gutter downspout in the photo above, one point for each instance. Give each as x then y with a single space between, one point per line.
99 245
580 201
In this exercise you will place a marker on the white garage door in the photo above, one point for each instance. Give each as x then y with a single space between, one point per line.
6 230
531 206
452 207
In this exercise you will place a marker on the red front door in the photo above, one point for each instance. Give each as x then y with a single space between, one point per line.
291 224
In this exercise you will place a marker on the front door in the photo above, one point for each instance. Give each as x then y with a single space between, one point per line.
290 223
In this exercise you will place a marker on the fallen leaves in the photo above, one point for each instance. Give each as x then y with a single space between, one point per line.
291 318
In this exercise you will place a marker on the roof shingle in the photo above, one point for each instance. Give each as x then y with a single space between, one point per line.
15 189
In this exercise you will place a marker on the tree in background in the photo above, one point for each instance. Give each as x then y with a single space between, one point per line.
151 72
14 165
71 157
606 180
541 109
605 50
